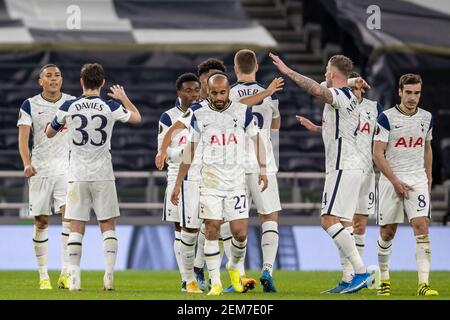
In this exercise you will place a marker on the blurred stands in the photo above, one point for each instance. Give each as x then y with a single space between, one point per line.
305 33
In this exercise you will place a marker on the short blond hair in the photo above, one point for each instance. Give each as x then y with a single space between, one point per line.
343 64
245 61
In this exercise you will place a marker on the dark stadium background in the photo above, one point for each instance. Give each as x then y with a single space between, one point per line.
123 37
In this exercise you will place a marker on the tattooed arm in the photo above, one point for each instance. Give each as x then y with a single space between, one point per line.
311 86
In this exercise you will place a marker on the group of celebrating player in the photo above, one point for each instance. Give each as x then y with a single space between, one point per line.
216 142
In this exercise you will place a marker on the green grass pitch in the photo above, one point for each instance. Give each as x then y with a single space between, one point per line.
162 285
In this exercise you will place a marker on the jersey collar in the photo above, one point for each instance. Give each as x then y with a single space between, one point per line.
211 106
404 113
50 100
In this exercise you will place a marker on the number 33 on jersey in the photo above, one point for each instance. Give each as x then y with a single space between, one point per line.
90 121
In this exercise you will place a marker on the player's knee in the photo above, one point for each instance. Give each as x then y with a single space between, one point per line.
41 222
387 234
359 228
420 229
240 237
327 221
268 217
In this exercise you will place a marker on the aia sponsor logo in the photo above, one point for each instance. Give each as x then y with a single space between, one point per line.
410 142
364 127
223 139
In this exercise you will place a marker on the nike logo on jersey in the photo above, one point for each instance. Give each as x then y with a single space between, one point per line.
418 210
397 126
242 211
40 112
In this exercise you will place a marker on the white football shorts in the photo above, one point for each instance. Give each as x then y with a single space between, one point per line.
341 193
99 195
268 201
223 205
392 208
367 201
45 193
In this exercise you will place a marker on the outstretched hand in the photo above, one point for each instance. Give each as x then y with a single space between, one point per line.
280 64
117 92
276 85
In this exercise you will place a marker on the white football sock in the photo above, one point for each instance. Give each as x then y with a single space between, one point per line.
238 251
177 251
225 234
64 255
212 257
384 254
269 244
40 243
110 246
360 240
423 257
200 253
187 247
345 242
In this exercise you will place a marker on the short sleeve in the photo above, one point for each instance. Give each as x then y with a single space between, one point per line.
186 118
25 114
250 126
121 114
383 129
194 130
341 97
164 124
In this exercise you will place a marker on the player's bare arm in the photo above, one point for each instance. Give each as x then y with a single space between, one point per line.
276 123
400 187
118 93
275 86
428 163
161 156
260 150
186 161
308 124
311 86
24 137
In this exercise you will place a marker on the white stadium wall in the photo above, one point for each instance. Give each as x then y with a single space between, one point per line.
315 250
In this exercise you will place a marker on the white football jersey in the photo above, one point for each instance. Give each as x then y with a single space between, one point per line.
263 115
196 165
405 136
50 157
90 121
177 143
368 113
222 134
339 130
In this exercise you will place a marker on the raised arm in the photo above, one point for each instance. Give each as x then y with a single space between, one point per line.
275 86
311 86
118 93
